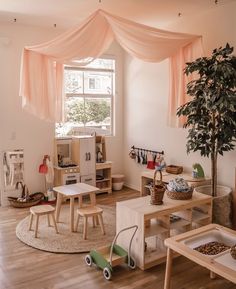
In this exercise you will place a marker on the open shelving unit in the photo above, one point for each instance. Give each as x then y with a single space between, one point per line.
156 223
104 170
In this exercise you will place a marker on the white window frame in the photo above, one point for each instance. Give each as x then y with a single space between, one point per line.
97 95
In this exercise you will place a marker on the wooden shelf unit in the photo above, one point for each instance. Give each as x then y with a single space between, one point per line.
155 224
104 169
147 177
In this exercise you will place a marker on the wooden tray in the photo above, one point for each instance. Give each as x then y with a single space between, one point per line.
172 169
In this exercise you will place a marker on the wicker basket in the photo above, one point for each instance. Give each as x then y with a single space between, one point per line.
34 199
172 169
157 190
179 195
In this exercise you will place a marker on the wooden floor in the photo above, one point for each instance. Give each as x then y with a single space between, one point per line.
22 267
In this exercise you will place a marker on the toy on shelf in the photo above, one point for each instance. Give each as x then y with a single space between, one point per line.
198 171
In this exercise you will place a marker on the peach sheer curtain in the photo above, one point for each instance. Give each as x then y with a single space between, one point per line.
41 85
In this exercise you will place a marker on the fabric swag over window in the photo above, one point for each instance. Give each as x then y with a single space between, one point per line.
41 85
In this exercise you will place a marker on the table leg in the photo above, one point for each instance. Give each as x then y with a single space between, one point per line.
58 206
92 197
72 201
168 268
80 201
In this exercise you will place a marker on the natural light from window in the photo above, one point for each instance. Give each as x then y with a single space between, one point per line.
89 94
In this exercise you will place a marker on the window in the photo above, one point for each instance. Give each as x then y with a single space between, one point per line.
89 93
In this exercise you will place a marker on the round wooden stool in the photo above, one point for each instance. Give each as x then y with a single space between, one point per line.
40 211
86 212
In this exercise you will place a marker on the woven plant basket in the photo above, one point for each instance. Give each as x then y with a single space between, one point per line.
179 195
157 190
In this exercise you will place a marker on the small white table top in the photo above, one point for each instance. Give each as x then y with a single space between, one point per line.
75 189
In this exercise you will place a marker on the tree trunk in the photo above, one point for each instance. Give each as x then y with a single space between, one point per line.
213 157
213 174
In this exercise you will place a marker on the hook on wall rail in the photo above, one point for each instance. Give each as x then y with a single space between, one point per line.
146 150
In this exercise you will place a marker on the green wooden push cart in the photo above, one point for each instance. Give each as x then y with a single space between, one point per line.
108 257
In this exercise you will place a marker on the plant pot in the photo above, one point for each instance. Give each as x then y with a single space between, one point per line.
222 204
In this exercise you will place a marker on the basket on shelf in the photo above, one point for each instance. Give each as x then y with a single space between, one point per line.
157 190
33 199
172 169
180 195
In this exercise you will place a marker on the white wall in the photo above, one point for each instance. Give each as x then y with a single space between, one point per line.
21 130
146 96
114 144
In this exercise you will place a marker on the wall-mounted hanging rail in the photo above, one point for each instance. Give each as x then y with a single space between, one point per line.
146 150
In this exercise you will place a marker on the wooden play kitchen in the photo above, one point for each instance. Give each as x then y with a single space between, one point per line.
185 244
158 222
82 159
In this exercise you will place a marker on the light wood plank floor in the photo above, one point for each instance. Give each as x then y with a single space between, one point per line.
22 267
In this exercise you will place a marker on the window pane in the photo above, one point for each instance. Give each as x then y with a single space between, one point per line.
98 112
75 113
97 82
86 115
73 81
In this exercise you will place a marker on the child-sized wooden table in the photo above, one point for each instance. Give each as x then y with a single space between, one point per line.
71 192
222 264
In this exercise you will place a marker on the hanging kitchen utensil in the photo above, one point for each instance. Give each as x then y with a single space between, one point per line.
132 154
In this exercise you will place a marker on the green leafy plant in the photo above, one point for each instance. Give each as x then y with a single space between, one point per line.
211 114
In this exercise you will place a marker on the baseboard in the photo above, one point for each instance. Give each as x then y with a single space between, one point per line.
132 186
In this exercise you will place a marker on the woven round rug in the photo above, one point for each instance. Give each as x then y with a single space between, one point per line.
66 241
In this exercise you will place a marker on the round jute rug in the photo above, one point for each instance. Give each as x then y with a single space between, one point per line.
66 241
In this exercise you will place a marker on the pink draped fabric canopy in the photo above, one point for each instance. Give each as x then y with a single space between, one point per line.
41 85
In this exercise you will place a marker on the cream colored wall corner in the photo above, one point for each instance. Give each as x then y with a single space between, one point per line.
146 96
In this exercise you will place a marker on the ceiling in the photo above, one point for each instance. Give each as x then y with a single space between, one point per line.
66 13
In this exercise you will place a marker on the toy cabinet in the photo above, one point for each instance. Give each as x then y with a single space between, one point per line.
83 153
156 223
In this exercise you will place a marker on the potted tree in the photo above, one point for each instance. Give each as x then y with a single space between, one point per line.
211 114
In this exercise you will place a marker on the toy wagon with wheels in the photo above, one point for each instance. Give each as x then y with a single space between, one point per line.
108 257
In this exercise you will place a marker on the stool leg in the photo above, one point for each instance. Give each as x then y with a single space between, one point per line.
30 222
77 223
36 226
48 217
54 223
101 223
85 227
94 218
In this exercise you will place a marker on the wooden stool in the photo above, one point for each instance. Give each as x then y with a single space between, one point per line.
89 211
40 211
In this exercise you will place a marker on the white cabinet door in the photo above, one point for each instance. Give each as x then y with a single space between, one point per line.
87 156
